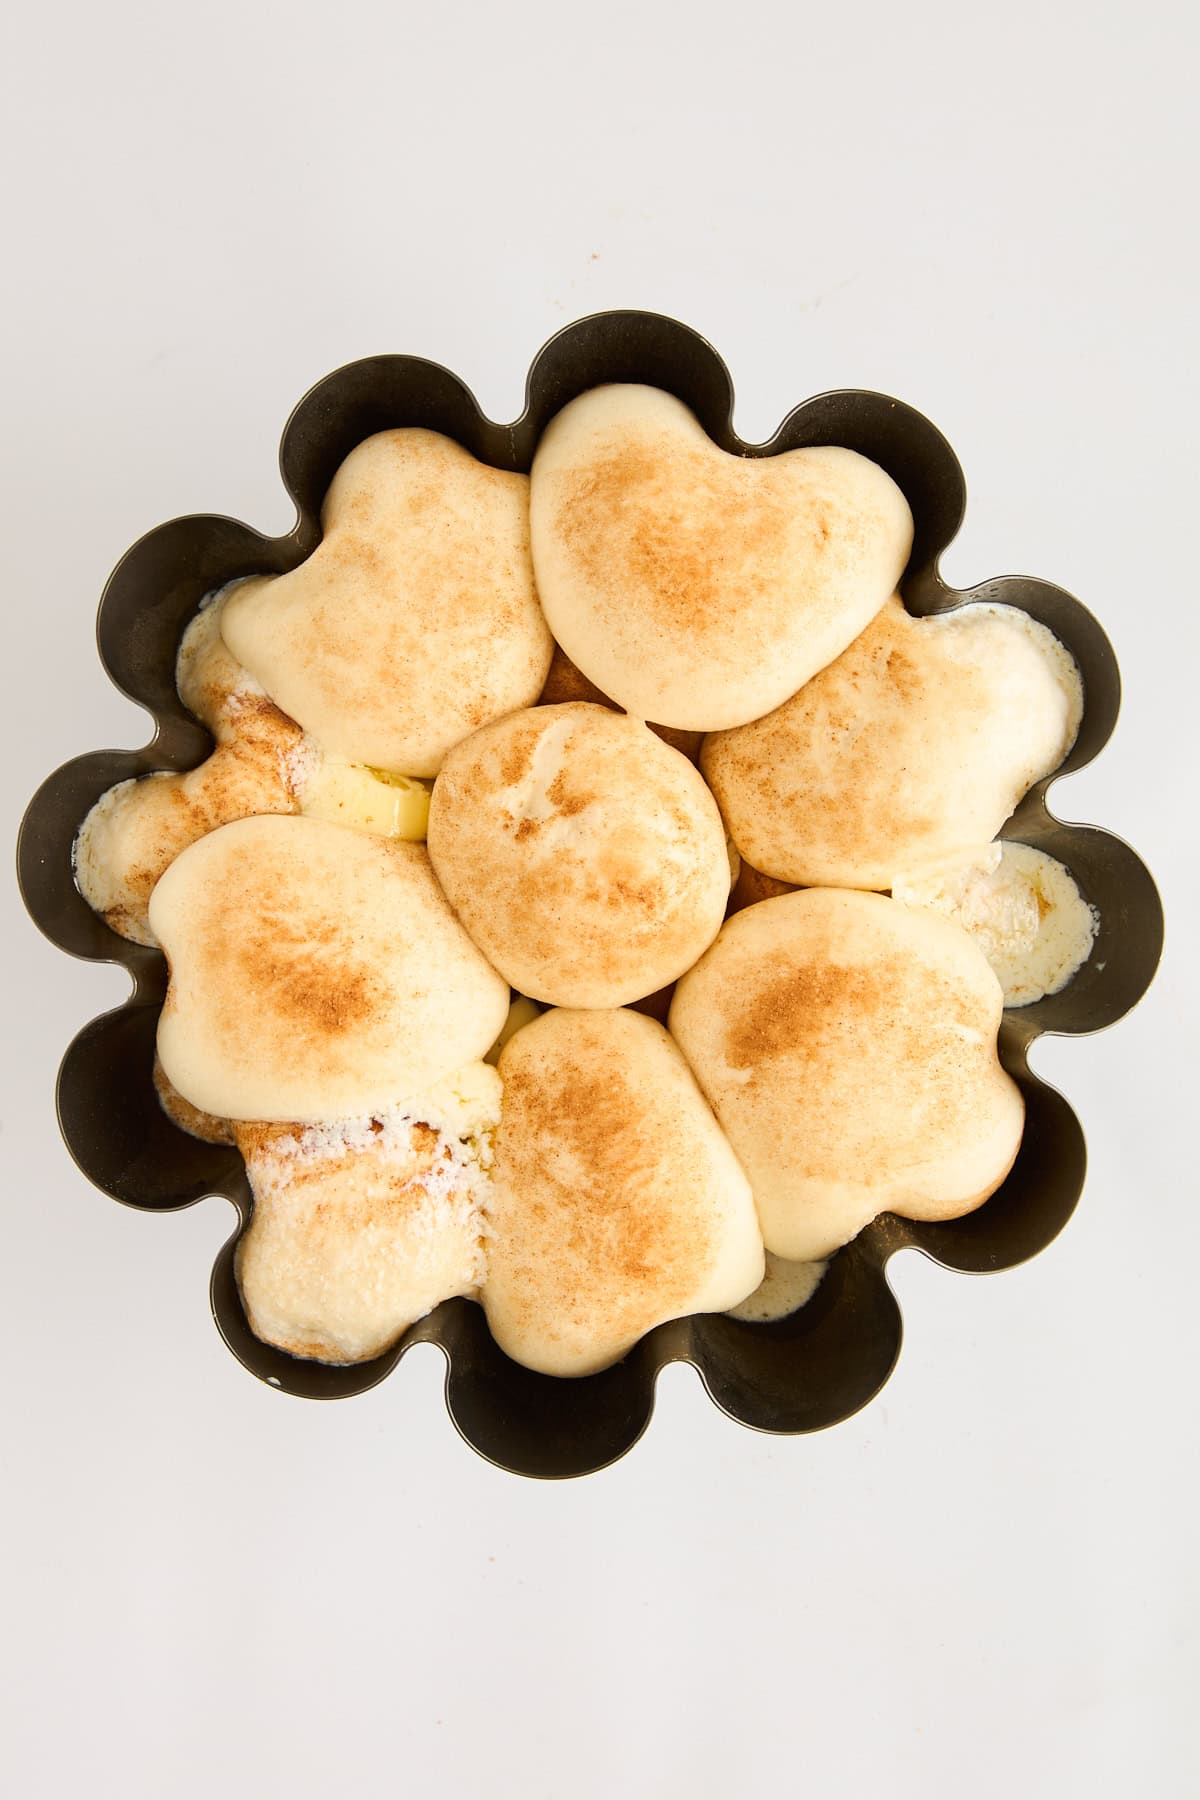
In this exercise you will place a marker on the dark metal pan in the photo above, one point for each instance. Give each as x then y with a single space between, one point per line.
795 1375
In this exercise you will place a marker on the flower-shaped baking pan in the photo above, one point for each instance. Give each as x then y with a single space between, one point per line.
796 1374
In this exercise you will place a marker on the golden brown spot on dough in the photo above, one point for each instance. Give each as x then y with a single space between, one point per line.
821 1017
567 800
129 921
646 895
785 1015
515 760
593 1161
254 710
306 977
346 551
905 673
640 517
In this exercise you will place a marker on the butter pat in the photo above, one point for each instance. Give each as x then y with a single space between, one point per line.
346 793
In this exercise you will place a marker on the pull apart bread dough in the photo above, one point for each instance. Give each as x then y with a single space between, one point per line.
616 1202
847 1044
136 830
586 858
362 1227
912 747
315 973
697 588
415 620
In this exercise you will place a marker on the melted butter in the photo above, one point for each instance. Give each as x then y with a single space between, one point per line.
1022 908
784 1289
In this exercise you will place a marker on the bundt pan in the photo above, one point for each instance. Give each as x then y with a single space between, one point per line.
794 1375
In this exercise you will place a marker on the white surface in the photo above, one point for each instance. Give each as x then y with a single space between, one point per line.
985 1584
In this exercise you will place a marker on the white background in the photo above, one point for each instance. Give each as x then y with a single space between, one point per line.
984 1585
